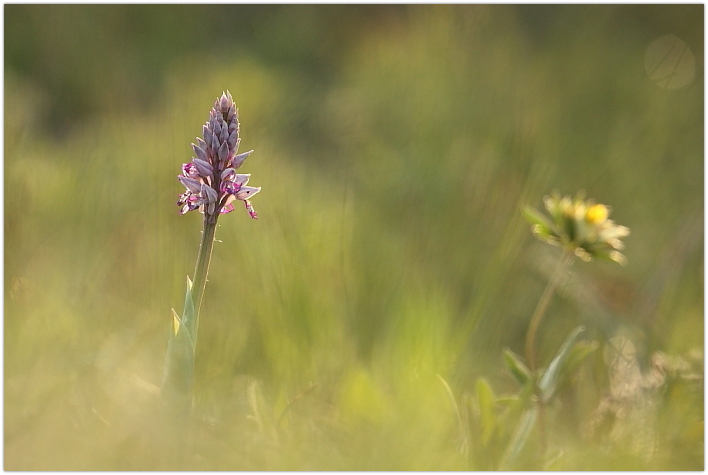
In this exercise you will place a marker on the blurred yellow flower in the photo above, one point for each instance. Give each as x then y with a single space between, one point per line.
579 225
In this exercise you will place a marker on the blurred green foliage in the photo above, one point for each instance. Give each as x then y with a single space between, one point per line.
347 328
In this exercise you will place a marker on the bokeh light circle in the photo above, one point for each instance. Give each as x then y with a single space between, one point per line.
669 62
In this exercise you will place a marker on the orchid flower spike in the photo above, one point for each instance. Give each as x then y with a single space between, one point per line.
210 179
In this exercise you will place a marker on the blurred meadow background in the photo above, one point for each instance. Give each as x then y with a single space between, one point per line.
348 327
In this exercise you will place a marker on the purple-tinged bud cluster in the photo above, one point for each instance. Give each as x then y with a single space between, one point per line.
210 178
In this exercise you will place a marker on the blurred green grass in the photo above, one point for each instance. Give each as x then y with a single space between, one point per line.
395 146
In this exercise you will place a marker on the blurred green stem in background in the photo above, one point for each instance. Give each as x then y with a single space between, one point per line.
563 264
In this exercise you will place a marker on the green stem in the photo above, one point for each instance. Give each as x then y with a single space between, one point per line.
201 269
565 260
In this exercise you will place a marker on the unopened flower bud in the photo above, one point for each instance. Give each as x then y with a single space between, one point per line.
238 160
201 153
203 167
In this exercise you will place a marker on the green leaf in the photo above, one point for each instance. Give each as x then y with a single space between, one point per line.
542 232
176 323
464 428
179 368
179 362
188 314
551 377
517 368
533 216
580 351
520 437
611 255
542 227
485 403
508 401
